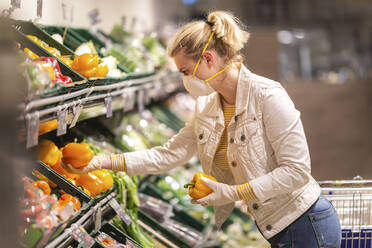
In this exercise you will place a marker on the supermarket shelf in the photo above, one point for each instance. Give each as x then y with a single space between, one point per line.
65 238
92 101
163 76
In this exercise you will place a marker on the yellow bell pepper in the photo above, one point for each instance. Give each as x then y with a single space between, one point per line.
30 53
105 177
48 126
92 183
48 152
197 189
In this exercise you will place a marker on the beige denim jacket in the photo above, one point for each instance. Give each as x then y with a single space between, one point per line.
267 147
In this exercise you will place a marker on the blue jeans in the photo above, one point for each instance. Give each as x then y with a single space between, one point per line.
317 227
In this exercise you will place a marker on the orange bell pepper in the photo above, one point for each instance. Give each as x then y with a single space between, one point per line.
44 178
44 186
197 189
48 152
77 154
67 198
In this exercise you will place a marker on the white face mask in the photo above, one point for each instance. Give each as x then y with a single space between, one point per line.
197 87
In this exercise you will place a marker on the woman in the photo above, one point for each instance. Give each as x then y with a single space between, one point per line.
249 136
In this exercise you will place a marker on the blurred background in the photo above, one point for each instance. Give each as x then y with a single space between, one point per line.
320 50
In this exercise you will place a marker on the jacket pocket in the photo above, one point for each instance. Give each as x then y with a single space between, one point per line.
246 130
325 223
249 143
202 132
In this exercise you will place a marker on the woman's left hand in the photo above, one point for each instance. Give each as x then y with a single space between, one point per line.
222 194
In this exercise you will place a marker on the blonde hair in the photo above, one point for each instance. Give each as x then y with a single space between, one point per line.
229 38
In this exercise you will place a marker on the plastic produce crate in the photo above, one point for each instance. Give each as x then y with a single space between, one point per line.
60 180
73 40
79 81
179 214
148 220
84 35
118 235
33 235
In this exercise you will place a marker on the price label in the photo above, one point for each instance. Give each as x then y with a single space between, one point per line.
148 95
94 16
131 99
140 100
33 122
39 8
81 236
64 11
72 14
62 122
123 22
98 218
76 110
124 99
108 104
16 4
115 205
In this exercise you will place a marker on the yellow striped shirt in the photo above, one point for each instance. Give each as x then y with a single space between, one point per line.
245 191
220 157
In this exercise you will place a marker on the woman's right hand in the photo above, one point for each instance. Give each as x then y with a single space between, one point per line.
97 163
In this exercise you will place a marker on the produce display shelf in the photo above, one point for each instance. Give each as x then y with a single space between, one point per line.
87 35
73 40
65 239
33 236
179 212
150 221
25 42
67 185
162 78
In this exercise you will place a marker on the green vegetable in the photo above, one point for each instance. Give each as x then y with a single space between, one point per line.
124 60
132 193
119 34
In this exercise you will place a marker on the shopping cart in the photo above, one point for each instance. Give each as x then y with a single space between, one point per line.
352 200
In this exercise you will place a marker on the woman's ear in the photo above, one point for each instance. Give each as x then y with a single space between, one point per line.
209 57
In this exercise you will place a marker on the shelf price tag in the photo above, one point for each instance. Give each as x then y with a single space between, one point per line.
76 110
124 99
94 16
98 218
108 104
141 100
131 99
16 4
62 122
32 129
39 8
81 236
115 205
64 10
148 95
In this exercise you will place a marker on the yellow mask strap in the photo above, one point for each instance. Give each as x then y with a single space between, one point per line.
205 48
215 75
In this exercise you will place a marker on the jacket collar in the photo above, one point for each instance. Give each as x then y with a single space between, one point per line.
242 95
